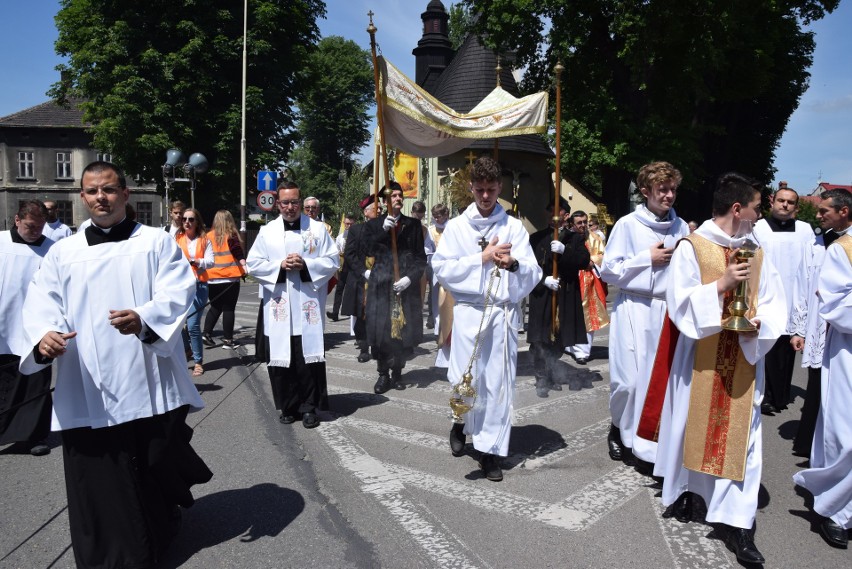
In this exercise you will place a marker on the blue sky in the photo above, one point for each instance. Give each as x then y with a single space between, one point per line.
815 146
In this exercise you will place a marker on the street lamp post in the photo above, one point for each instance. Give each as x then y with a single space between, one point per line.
176 164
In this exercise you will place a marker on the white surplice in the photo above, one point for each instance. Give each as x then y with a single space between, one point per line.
18 264
805 319
294 308
696 310
830 477
106 378
457 265
788 251
637 315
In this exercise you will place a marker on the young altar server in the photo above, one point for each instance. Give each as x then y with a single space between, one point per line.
710 433
473 244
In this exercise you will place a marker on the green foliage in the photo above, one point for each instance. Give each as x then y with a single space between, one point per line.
807 212
460 24
333 119
165 73
706 84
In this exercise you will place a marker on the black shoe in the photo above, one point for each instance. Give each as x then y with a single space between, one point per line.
739 541
39 449
229 344
644 467
541 386
681 510
364 357
287 419
430 323
207 340
581 361
613 439
396 379
490 466
554 385
382 384
835 535
332 316
457 439
767 408
310 420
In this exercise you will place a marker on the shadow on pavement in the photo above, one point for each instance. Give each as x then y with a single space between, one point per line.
263 510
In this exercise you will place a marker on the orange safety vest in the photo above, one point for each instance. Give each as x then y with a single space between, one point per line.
200 245
224 264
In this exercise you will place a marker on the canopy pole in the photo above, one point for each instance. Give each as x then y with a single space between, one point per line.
557 186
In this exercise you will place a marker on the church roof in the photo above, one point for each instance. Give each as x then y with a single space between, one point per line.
48 115
469 78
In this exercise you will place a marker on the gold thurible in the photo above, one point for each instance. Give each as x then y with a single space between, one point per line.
462 397
737 321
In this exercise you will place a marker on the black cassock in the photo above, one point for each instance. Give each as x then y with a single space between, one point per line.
572 328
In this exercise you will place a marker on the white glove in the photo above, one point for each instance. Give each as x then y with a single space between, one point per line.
557 247
401 284
389 223
367 275
551 282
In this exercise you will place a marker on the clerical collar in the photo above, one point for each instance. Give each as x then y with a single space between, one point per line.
294 226
841 232
119 232
779 225
16 238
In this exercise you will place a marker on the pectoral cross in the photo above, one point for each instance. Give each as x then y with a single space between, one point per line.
483 243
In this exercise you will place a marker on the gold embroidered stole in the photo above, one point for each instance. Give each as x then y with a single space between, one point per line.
845 241
721 399
592 290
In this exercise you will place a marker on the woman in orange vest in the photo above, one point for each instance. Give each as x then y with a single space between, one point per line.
228 267
197 249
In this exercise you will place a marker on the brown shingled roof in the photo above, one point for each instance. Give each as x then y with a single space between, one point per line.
48 115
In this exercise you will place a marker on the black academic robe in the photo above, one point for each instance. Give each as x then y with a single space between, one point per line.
354 258
572 327
380 295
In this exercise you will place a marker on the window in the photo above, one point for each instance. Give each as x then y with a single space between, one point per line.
63 165
26 165
104 156
65 211
145 213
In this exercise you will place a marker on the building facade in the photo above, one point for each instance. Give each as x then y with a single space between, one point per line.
43 151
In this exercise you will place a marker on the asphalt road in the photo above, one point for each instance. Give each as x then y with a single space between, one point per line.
375 485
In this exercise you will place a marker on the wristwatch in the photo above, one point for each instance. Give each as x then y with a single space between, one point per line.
513 267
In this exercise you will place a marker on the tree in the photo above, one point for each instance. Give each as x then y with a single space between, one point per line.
706 84
166 73
460 24
333 120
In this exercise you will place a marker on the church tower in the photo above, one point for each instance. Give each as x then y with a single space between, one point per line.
434 50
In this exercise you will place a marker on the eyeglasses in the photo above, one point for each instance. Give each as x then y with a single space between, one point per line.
188 219
289 202
48 208
310 207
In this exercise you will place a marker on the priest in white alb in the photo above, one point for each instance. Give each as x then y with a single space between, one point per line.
293 257
485 260
108 305
829 478
710 433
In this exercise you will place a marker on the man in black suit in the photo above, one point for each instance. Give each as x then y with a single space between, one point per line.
572 256
354 299
394 304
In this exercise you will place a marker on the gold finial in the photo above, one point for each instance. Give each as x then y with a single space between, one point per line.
498 69
371 29
559 67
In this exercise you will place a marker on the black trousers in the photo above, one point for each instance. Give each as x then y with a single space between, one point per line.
778 365
804 440
545 355
338 292
30 422
223 300
124 483
391 357
300 388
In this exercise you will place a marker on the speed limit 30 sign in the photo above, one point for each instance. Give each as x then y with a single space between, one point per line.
266 200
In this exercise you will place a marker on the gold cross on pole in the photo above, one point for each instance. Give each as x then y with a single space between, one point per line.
470 157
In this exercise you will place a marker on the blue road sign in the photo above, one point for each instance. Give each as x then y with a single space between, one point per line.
267 179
